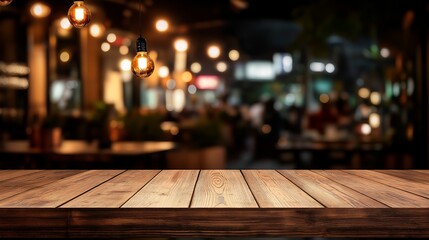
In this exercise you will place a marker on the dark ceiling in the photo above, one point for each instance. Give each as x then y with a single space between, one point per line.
255 25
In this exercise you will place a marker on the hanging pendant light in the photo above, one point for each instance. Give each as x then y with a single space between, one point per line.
142 65
79 15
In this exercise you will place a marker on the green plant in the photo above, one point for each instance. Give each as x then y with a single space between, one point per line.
145 126
205 132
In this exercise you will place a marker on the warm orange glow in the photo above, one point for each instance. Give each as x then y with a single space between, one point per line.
161 25
65 24
40 10
5 2
213 51
96 30
234 55
142 65
79 15
186 76
181 45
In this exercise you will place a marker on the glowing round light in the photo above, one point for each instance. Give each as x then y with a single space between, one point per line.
396 89
221 66
171 84
174 130
329 68
213 51
375 98
186 76
124 50
64 56
111 37
181 45
317 66
365 129
5 2
125 65
163 71
65 24
195 67
40 10
105 47
234 55
384 52
192 89
324 98
96 30
79 15
374 120
161 25
363 92
142 64
266 129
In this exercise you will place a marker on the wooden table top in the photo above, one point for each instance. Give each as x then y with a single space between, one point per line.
209 203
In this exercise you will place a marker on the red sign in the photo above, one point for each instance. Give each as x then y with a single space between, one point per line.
207 82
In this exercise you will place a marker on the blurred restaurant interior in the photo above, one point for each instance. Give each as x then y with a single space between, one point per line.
237 84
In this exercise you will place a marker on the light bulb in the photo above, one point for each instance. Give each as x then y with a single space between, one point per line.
5 2
142 65
79 15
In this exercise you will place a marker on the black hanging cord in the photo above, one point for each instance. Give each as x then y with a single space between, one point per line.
141 42
140 17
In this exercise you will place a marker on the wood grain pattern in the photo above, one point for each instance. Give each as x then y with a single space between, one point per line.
417 188
249 222
414 176
57 193
329 193
272 190
169 189
33 223
222 188
176 203
390 196
8 174
115 192
26 182
422 171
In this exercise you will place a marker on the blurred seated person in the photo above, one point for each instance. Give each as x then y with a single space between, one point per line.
269 131
326 116
293 120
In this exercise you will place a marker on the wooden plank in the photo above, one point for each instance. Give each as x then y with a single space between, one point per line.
8 174
329 193
115 192
409 175
24 183
24 223
390 196
135 223
272 190
422 171
222 188
169 189
421 189
59 192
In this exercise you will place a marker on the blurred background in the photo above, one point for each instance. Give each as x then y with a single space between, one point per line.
237 84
